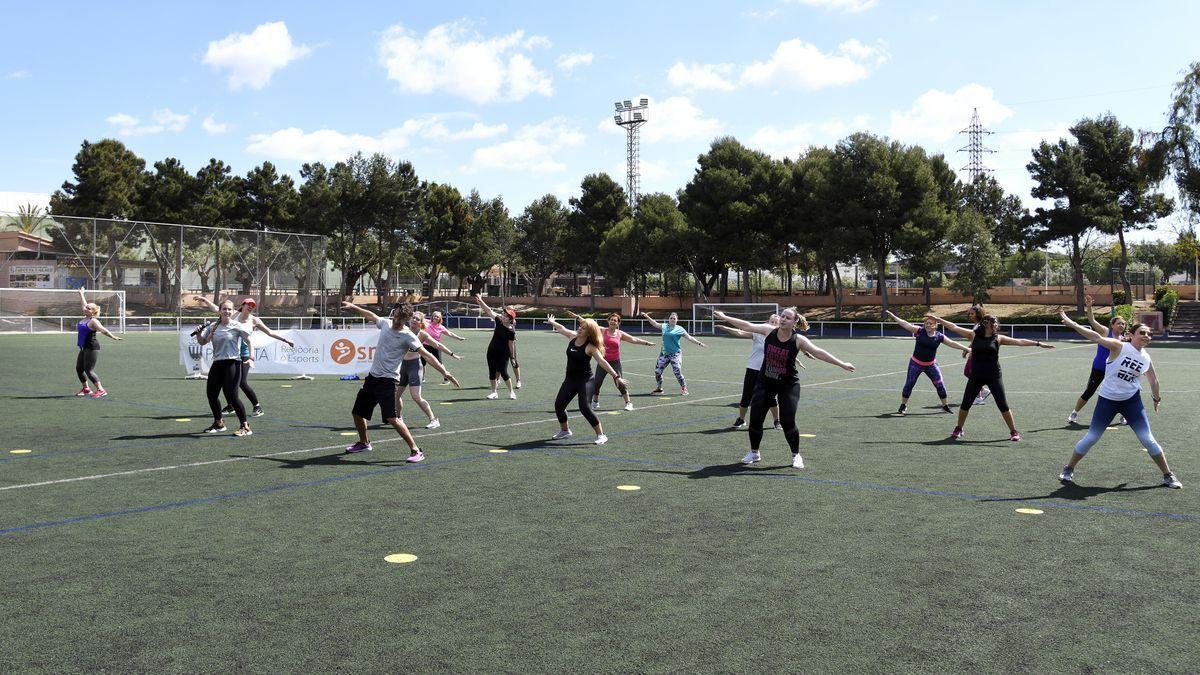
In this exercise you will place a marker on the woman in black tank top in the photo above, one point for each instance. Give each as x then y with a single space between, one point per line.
585 346
502 350
778 376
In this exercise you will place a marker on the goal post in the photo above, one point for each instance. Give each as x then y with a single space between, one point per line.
44 309
754 312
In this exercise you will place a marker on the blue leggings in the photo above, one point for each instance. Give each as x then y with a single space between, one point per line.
1135 414
914 371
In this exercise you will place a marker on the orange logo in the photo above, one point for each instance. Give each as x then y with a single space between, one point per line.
342 351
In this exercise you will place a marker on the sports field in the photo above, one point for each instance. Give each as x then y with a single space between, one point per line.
133 543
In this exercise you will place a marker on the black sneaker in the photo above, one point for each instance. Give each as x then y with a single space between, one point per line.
258 411
902 409
227 409
946 408
778 425
739 423
215 429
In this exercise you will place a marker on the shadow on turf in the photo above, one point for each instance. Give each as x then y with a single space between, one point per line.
719 471
40 398
333 459
1074 492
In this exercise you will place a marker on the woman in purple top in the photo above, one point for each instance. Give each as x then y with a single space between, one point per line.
89 348
924 359
1100 361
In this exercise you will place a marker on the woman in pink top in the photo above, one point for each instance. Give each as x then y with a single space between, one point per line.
613 336
436 330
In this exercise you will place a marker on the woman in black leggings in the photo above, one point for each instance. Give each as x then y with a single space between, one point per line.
502 350
246 316
89 348
585 346
985 370
225 374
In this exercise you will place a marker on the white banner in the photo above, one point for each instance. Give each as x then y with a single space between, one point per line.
317 352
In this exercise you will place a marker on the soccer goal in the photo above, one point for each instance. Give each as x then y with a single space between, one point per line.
32 310
755 312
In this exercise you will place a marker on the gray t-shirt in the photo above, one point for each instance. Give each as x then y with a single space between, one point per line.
226 339
391 348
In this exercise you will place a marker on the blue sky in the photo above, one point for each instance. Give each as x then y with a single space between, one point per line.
515 99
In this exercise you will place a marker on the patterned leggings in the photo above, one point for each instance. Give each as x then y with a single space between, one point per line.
676 361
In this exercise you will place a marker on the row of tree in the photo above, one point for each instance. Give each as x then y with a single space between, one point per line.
868 199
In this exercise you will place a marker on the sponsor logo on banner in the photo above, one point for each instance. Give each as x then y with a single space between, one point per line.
317 352
342 351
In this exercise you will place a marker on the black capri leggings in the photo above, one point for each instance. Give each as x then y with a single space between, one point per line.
748 383
975 385
244 383
766 392
600 376
573 387
497 363
1094 381
224 376
85 365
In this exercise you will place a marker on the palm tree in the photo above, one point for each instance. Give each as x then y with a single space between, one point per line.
29 218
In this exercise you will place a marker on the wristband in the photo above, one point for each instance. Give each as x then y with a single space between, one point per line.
1157 399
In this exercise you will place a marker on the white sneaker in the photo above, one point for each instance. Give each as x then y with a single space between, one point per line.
518 384
1073 417
751 457
797 461
595 405
983 396
512 395
1171 481
433 423
629 406
493 395
601 439
1067 475
1121 421
561 434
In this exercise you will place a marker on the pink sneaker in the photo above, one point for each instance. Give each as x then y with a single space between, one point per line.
683 391
358 446
1014 436
956 434
83 392
99 393
416 456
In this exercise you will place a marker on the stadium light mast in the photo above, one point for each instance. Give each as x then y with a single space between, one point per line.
632 117
974 148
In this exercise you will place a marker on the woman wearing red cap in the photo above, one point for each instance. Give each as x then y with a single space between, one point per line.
247 317
502 350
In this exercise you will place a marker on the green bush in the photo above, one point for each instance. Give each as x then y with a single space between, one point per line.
1168 305
1160 292
1119 297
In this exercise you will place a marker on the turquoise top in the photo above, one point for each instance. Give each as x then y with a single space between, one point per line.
671 338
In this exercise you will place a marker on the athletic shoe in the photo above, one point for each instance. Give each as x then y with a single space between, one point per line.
739 423
902 409
518 384
1171 481
433 423
601 439
1121 421
797 461
683 391
629 406
778 425
445 382
216 429
751 457
1067 475
946 408
983 396
1073 417
83 392
227 409
243 431
595 404
657 391
493 395
99 393
258 411
1014 436
561 434
415 456
956 434
512 395
358 446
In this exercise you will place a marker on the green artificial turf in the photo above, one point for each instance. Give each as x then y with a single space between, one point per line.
894 549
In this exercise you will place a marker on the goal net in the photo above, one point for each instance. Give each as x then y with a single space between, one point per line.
57 309
754 312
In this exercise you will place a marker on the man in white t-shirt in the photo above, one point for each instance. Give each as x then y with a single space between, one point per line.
379 389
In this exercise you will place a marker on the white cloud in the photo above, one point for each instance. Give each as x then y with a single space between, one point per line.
937 116
852 6
453 58
792 141
569 62
799 65
252 59
533 148
164 120
760 14
213 127
697 77
18 75
329 145
11 201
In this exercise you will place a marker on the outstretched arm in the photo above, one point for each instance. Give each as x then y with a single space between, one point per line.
626 337
1110 343
454 335
807 345
562 330
903 324
688 336
1022 342
364 313
1091 317
963 332
760 328
260 326
598 357
483 305
206 302
656 325
733 331
428 339
82 300
95 325
1154 390
959 346
431 360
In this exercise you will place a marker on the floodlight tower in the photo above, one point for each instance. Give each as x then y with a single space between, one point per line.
974 148
632 118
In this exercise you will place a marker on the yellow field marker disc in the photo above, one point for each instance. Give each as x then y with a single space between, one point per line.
285 386
400 558
445 403
348 433
183 419
629 488
497 451
19 452
1031 512
613 412
664 398
808 435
